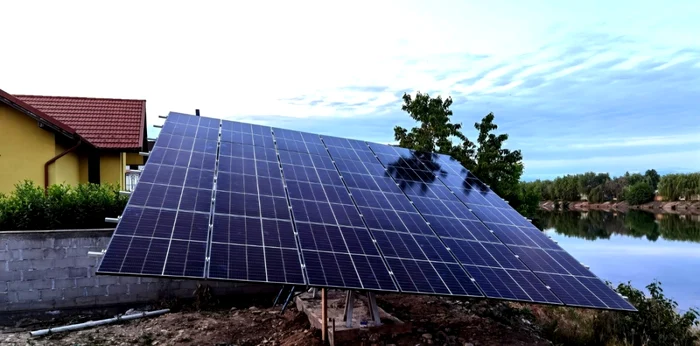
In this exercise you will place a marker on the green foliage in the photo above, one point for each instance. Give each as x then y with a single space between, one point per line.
61 207
595 195
639 193
652 178
496 166
656 323
674 186
528 200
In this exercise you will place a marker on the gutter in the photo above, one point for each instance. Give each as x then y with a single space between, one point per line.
54 159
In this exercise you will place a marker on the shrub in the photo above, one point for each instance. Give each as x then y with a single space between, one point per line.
639 193
61 207
656 323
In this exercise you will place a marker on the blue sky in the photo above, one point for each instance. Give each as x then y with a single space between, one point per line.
586 86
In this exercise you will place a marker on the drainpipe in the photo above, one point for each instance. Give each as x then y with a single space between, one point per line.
49 162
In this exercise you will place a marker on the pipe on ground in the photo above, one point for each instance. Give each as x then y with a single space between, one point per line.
89 324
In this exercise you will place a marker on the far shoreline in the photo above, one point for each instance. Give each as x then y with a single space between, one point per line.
657 207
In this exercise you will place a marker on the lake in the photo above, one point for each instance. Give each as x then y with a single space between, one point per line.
636 246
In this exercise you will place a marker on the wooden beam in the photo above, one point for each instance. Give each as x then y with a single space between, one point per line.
324 315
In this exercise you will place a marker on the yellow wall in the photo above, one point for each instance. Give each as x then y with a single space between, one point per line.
66 169
24 148
112 168
134 159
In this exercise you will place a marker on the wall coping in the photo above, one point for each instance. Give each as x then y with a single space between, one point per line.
85 230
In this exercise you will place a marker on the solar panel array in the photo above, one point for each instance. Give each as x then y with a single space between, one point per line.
232 201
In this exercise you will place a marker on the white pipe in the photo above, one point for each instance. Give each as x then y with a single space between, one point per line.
97 323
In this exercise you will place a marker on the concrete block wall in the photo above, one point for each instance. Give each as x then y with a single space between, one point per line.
51 270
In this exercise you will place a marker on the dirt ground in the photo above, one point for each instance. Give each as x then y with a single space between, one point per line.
435 320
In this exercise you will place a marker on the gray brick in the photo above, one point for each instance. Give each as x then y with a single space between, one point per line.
96 291
86 282
5 255
64 283
15 254
63 242
77 252
77 272
72 293
105 280
29 254
107 300
30 305
42 264
138 288
9 276
117 289
84 262
4 298
54 253
49 294
86 301
68 262
16 286
42 284
56 273
20 265
24 296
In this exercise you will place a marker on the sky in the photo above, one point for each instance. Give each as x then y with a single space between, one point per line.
578 86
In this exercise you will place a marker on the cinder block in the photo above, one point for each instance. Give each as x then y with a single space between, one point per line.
87 242
107 300
16 286
68 262
42 264
15 254
30 254
49 294
64 283
24 296
120 290
5 255
63 243
86 301
138 288
51 253
77 252
77 272
72 293
84 262
10 276
86 282
4 298
29 305
41 284
117 290
56 273
20 265
96 291
105 280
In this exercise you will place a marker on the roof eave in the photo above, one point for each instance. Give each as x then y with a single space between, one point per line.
42 118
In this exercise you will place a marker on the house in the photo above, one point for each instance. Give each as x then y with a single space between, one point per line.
50 139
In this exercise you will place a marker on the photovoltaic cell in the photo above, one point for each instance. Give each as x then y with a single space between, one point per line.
243 202
337 248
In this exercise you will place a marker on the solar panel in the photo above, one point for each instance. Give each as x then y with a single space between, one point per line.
233 201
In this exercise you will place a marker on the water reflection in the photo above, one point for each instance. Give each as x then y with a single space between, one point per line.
596 224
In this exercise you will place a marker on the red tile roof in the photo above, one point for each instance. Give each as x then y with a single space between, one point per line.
104 123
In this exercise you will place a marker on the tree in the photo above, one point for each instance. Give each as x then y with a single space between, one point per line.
639 193
496 166
652 178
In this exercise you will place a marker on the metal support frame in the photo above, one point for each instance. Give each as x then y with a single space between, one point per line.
279 294
289 297
371 306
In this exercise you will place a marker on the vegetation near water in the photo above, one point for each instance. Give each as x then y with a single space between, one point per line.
635 223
